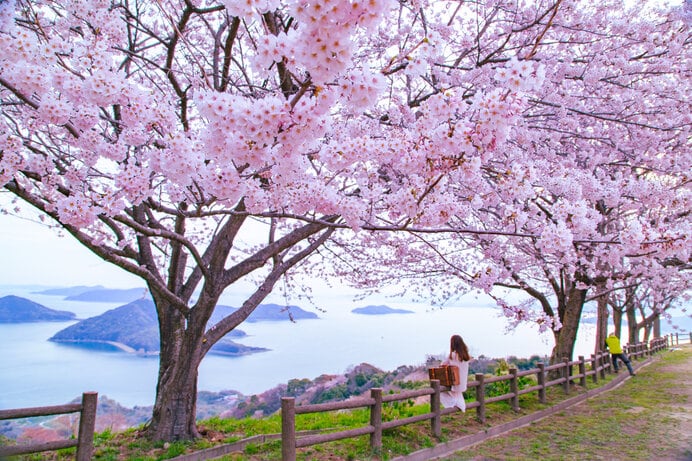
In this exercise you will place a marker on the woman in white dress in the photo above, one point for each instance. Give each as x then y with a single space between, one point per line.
459 357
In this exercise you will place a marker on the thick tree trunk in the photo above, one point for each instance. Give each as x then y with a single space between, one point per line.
175 407
632 328
617 322
647 332
566 337
601 324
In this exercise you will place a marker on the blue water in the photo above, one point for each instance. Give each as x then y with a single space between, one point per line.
36 372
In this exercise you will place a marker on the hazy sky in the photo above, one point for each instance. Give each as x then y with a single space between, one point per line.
33 254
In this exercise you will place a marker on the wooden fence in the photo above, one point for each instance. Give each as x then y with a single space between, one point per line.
674 339
85 436
563 374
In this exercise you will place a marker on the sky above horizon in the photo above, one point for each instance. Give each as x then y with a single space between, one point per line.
34 254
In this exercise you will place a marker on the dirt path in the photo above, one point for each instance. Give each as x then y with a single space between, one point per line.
682 433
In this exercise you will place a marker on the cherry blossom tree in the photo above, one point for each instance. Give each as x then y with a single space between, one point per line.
590 195
202 144
645 305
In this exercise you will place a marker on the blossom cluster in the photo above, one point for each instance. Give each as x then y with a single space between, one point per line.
521 75
10 160
309 49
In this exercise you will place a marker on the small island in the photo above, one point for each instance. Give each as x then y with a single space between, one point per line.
379 310
68 291
275 312
14 309
132 328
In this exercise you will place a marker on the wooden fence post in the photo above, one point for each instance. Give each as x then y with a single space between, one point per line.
566 372
436 408
541 381
604 357
582 371
480 397
594 368
376 418
514 389
288 429
87 423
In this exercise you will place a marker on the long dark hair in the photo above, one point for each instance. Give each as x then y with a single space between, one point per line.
456 344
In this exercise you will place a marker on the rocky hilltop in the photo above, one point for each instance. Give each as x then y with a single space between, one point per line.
14 309
325 388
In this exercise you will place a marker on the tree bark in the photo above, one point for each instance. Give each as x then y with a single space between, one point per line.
617 321
175 407
570 316
657 326
601 324
632 327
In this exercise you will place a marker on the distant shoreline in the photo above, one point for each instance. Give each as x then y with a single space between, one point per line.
116 344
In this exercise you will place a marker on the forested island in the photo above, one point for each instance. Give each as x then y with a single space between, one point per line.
14 309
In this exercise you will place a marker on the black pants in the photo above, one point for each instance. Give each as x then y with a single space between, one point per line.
624 359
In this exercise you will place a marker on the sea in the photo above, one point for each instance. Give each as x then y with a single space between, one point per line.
37 372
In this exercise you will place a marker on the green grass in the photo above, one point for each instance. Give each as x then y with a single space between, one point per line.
639 410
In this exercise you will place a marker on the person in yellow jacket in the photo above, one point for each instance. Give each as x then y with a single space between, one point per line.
613 345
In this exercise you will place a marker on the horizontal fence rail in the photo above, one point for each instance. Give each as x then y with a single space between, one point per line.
565 374
674 339
85 436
